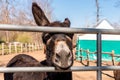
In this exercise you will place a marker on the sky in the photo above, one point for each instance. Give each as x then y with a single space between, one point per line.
83 12
80 12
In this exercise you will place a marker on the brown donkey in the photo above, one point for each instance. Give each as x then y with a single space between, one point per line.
58 50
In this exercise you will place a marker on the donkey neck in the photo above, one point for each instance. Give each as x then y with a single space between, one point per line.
59 75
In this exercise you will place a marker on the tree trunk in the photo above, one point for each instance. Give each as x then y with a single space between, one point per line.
6 20
97 9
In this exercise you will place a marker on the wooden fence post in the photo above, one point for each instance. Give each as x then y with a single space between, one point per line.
112 55
3 48
32 46
15 45
40 46
87 51
29 47
35 47
26 47
10 48
81 55
21 47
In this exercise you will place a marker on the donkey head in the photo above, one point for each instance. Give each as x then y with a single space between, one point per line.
58 46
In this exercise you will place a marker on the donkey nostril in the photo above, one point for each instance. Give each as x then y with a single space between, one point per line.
57 56
56 60
69 54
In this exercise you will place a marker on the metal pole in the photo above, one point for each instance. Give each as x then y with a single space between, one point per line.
52 69
57 29
99 50
45 69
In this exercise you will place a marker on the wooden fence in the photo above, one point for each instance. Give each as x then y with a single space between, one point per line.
112 54
19 48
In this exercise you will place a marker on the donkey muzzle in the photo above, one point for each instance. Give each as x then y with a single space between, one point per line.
63 59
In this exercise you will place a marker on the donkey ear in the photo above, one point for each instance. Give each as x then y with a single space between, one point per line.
67 22
39 15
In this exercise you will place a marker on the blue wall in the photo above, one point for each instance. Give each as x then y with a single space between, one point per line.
107 46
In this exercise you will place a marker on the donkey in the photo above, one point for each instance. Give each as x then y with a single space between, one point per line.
58 50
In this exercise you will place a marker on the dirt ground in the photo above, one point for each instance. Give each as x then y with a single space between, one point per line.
78 75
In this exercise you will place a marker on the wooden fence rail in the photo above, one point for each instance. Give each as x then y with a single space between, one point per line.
19 48
112 54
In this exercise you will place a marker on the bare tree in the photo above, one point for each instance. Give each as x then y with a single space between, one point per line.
10 14
97 11
116 25
6 21
117 4
5 16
